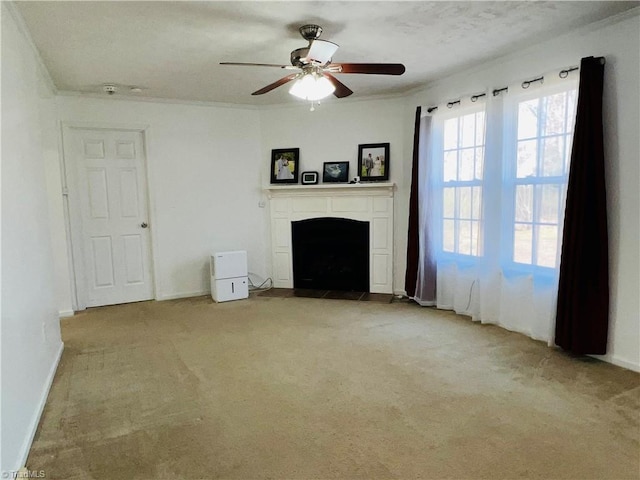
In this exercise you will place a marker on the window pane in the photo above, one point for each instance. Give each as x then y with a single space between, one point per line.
548 196
464 202
448 232
522 243
448 203
475 237
571 110
477 202
479 162
451 134
552 156
555 114
468 127
568 140
527 152
528 119
524 203
480 128
547 245
451 166
466 171
464 237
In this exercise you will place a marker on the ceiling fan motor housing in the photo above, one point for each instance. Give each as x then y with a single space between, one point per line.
310 32
299 57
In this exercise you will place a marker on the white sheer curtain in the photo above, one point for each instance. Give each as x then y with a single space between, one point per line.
489 286
425 294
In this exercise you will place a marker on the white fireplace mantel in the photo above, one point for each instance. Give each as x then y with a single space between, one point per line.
370 202
337 189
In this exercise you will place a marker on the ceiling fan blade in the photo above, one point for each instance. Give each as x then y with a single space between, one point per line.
341 89
371 68
288 67
321 51
275 84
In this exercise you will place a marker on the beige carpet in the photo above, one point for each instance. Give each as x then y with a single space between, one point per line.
296 388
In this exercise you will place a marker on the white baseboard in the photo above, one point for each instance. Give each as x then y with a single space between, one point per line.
183 295
615 360
65 313
26 445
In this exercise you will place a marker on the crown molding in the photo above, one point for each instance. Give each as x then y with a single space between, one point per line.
122 98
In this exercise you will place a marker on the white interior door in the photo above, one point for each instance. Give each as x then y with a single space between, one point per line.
110 199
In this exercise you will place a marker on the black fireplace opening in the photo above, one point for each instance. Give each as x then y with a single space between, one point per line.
331 254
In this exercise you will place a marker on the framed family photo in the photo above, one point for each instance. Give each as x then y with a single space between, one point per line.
373 162
335 172
284 165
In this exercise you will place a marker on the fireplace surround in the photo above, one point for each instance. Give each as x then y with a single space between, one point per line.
368 202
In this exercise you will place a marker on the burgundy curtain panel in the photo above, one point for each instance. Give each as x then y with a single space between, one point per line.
582 317
413 234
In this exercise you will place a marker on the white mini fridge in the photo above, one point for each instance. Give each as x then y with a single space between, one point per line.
229 276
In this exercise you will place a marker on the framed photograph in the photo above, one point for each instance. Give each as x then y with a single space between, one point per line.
373 162
335 172
309 178
284 165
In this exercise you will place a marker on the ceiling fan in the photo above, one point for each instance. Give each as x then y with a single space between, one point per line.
315 79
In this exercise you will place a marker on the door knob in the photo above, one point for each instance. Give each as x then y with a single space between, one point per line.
144 225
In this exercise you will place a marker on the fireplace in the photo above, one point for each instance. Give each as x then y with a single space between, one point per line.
330 254
369 204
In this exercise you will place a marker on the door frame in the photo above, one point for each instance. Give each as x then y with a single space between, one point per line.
73 216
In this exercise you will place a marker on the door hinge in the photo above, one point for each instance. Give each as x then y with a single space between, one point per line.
65 191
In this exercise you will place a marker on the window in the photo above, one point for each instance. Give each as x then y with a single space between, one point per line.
461 187
508 206
539 177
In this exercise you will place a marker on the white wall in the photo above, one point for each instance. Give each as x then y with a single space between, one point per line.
30 329
332 133
56 206
208 166
204 166
617 40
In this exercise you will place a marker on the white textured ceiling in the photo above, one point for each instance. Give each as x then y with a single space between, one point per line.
173 49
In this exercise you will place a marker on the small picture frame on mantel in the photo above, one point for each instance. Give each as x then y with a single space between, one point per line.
373 162
309 178
284 165
335 172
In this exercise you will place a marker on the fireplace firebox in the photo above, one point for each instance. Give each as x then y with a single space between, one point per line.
330 254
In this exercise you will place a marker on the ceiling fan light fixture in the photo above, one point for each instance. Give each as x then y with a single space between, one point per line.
312 87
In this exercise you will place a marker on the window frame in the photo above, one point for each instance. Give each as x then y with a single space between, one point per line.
511 181
440 184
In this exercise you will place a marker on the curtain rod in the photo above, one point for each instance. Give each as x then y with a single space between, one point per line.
498 91
564 73
527 83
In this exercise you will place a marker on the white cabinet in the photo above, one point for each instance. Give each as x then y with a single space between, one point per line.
229 276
